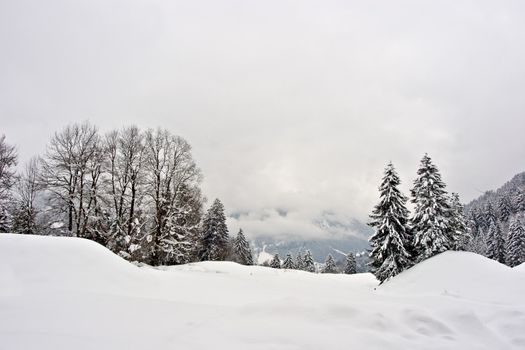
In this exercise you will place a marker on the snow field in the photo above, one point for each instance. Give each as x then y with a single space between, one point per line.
68 293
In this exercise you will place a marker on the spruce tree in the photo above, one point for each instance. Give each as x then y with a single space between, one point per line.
391 242
288 262
5 219
276 262
350 264
308 262
299 261
460 231
431 222
516 243
241 250
329 265
214 243
495 243
519 200
504 207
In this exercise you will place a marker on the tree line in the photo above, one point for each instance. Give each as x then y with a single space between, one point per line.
135 191
496 221
306 263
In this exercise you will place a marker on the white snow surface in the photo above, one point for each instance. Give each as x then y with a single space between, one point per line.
69 293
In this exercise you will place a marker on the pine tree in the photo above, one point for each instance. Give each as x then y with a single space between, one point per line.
495 243
479 244
241 250
308 262
214 244
516 243
288 262
276 262
5 219
459 226
431 222
519 200
504 208
391 242
350 264
299 261
24 221
329 265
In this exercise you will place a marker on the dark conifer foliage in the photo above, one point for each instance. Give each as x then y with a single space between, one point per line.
242 252
288 262
308 262
516 243
276 262
299 261
460 229
495 242
350 264
391 242
214 233
431 222
329 265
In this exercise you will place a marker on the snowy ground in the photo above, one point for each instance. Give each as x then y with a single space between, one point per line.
65 293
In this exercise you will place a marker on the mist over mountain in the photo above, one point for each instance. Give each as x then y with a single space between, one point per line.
340 237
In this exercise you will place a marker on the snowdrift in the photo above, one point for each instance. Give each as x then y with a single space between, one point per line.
67 293
461 274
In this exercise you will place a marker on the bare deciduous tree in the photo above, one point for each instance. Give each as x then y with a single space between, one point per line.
71 171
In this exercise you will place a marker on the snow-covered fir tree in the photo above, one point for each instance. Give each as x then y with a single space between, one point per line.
391 241
495 243
460 230
5 219
214 244
308 262
329 265
288 262
519 200
504 208
515 248
242 252
431 224
276 262
350 264
299 261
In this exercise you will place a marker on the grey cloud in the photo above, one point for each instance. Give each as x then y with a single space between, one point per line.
288 104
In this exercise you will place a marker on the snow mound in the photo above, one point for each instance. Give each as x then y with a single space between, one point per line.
460 274
520 268
69 293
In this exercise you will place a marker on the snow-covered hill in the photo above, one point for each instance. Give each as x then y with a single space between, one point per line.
66 293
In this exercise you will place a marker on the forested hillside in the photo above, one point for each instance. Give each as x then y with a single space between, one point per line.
496 222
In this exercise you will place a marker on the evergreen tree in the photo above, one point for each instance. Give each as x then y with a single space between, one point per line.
5 219
479 244
350 264
214 244
299 261
519 200
24 221
308 262
495 243
241 250
504 208
329 265
431 221
459 226
276 262
516 243
288 262
391 242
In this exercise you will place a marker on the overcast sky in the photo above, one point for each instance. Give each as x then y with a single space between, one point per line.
291 106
